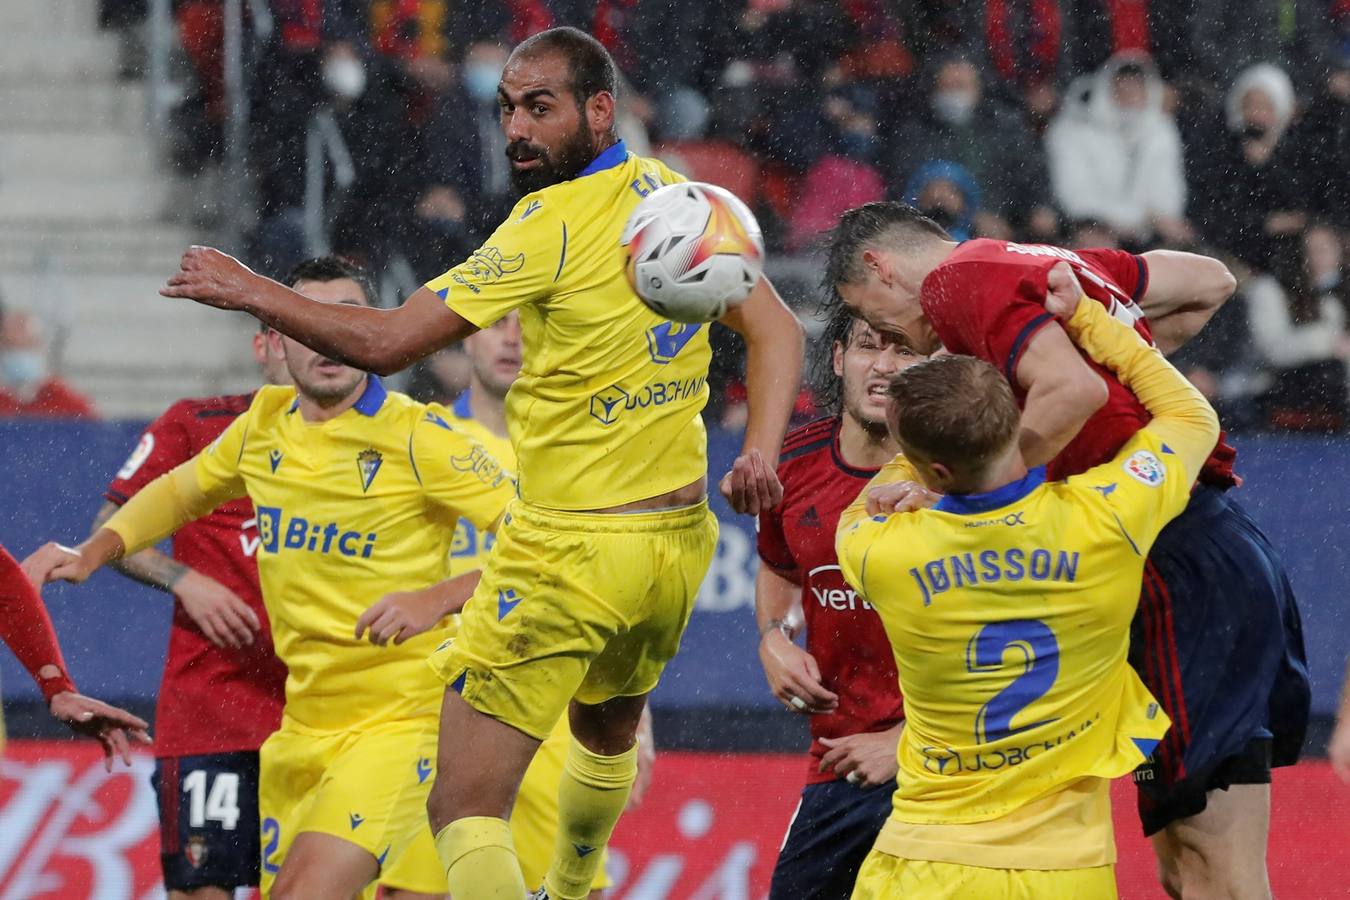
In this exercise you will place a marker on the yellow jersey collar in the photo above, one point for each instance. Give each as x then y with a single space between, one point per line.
461 407
611 157
368 404
973 504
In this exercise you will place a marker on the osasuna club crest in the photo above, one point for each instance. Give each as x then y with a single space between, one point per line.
195 851
368 462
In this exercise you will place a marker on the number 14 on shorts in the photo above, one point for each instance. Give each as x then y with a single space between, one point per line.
212 799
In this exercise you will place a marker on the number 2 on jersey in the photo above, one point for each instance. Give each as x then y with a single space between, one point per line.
1040 666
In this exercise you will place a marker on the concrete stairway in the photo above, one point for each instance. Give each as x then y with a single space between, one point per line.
85 241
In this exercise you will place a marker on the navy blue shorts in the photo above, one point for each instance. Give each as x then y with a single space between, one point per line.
208 820
831 834
1219 642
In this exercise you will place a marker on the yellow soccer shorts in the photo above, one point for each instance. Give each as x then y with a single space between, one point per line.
534 823
883 877
575 605
367 787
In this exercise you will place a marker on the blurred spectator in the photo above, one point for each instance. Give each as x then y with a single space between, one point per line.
464 140
1299 329
1324 144
961 124
946 193
27 387
784 49
1229 36
1091 233
1115 154
1247 198
441 377
846 176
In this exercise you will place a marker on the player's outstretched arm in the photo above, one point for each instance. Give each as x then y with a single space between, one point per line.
1182 417
27 630
220 613
1184 291
404 614
114 728
383 341
773 371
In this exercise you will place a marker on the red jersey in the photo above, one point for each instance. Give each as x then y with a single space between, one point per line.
988 300
211 699
26 629
843 632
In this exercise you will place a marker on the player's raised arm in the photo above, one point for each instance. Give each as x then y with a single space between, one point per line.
375 340
773 369
1184 290
184 493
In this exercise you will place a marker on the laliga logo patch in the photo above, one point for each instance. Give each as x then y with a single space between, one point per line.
368 462
1145 468
138 456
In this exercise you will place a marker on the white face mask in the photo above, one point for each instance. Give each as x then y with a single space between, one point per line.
954 107
21 368
481 80
344 77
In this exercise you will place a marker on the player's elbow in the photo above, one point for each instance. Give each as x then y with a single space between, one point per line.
1219 284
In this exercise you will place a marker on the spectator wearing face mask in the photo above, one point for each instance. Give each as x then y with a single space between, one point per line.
946 193
1248 196
1115 154
992 142
27 387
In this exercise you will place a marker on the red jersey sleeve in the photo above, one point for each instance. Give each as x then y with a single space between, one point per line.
989 310
1128 271
772 543
164 445
27 630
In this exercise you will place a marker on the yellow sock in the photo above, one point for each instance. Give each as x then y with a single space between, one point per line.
480 860
591 796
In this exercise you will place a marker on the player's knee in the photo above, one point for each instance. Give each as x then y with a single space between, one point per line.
440 808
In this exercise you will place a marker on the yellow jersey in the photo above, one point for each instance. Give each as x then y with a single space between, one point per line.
471 544
349 510
1009 617
607 408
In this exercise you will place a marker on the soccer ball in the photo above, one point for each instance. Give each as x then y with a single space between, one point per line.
693 251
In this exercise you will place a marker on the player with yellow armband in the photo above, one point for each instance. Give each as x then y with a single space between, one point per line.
1008 608
357 492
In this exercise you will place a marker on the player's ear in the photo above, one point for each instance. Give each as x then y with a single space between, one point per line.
600 112
875 262
936 476
838 359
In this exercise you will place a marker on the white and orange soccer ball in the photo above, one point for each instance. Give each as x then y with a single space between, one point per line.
694 250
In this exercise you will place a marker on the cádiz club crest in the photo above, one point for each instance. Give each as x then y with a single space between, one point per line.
368 462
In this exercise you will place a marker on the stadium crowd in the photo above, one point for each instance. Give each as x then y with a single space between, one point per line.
1220 125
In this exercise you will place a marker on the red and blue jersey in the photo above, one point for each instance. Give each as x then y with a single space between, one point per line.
988 300
211 699
843 632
